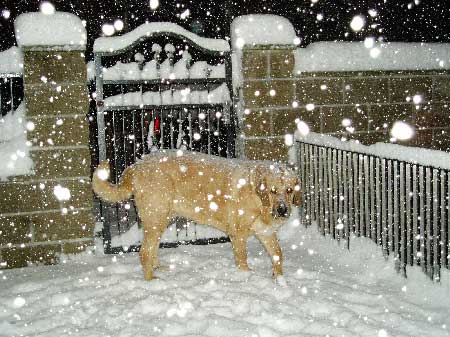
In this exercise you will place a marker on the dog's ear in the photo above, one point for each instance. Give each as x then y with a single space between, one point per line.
260 186
297 195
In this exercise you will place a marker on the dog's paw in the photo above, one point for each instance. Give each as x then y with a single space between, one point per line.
149 275
161 268
281 281
244 268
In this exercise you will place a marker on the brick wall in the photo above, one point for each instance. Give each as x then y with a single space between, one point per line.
372 100
34 225
268 91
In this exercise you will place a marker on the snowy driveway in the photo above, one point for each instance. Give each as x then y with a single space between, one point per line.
201 293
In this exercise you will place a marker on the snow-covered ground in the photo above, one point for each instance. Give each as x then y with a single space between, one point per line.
330 292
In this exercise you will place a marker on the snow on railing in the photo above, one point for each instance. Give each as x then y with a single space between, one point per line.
219 95
395 195
413 155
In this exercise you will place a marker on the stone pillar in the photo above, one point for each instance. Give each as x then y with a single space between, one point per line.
50 212
268 94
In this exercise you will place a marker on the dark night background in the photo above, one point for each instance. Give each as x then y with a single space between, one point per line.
397 20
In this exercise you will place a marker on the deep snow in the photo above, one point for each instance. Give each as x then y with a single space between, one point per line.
330 292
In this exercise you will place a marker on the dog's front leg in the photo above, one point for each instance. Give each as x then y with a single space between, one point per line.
270 243
239 244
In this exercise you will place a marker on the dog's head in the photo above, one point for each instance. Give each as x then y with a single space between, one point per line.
277 185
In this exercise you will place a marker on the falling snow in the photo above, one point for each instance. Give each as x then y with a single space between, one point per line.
402 131
326 290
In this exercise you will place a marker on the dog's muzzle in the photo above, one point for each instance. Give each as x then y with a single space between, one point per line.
282 211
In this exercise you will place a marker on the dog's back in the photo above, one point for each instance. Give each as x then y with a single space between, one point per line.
194 185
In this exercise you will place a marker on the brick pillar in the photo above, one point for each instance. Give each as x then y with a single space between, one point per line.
35 224
268 93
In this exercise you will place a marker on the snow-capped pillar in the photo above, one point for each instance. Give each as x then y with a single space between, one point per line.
263 64
56 201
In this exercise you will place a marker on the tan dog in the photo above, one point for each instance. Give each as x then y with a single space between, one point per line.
240 198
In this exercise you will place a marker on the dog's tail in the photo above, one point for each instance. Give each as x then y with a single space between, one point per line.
110 192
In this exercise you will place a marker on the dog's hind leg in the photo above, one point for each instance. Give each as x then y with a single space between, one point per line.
239 244
270 243
153 231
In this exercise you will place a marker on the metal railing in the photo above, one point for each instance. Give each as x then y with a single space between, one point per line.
402 206
11 92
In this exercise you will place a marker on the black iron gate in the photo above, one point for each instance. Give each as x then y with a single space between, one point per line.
160 89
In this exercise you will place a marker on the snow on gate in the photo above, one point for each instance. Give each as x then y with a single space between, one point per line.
159 87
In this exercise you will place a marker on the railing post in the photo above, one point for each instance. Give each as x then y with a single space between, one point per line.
390 214
395 218
421 227
378 201
409 223
321 192
351 208
341 214
436 229
372 210
403 232
384 209
445 219
345 196
308 186
428 223
302 169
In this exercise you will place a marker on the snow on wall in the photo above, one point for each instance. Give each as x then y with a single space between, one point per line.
427 157
11 61
109 44
369 55
262 29
57 29
14 151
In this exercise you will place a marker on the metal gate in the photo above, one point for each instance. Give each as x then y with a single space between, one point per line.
159 89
